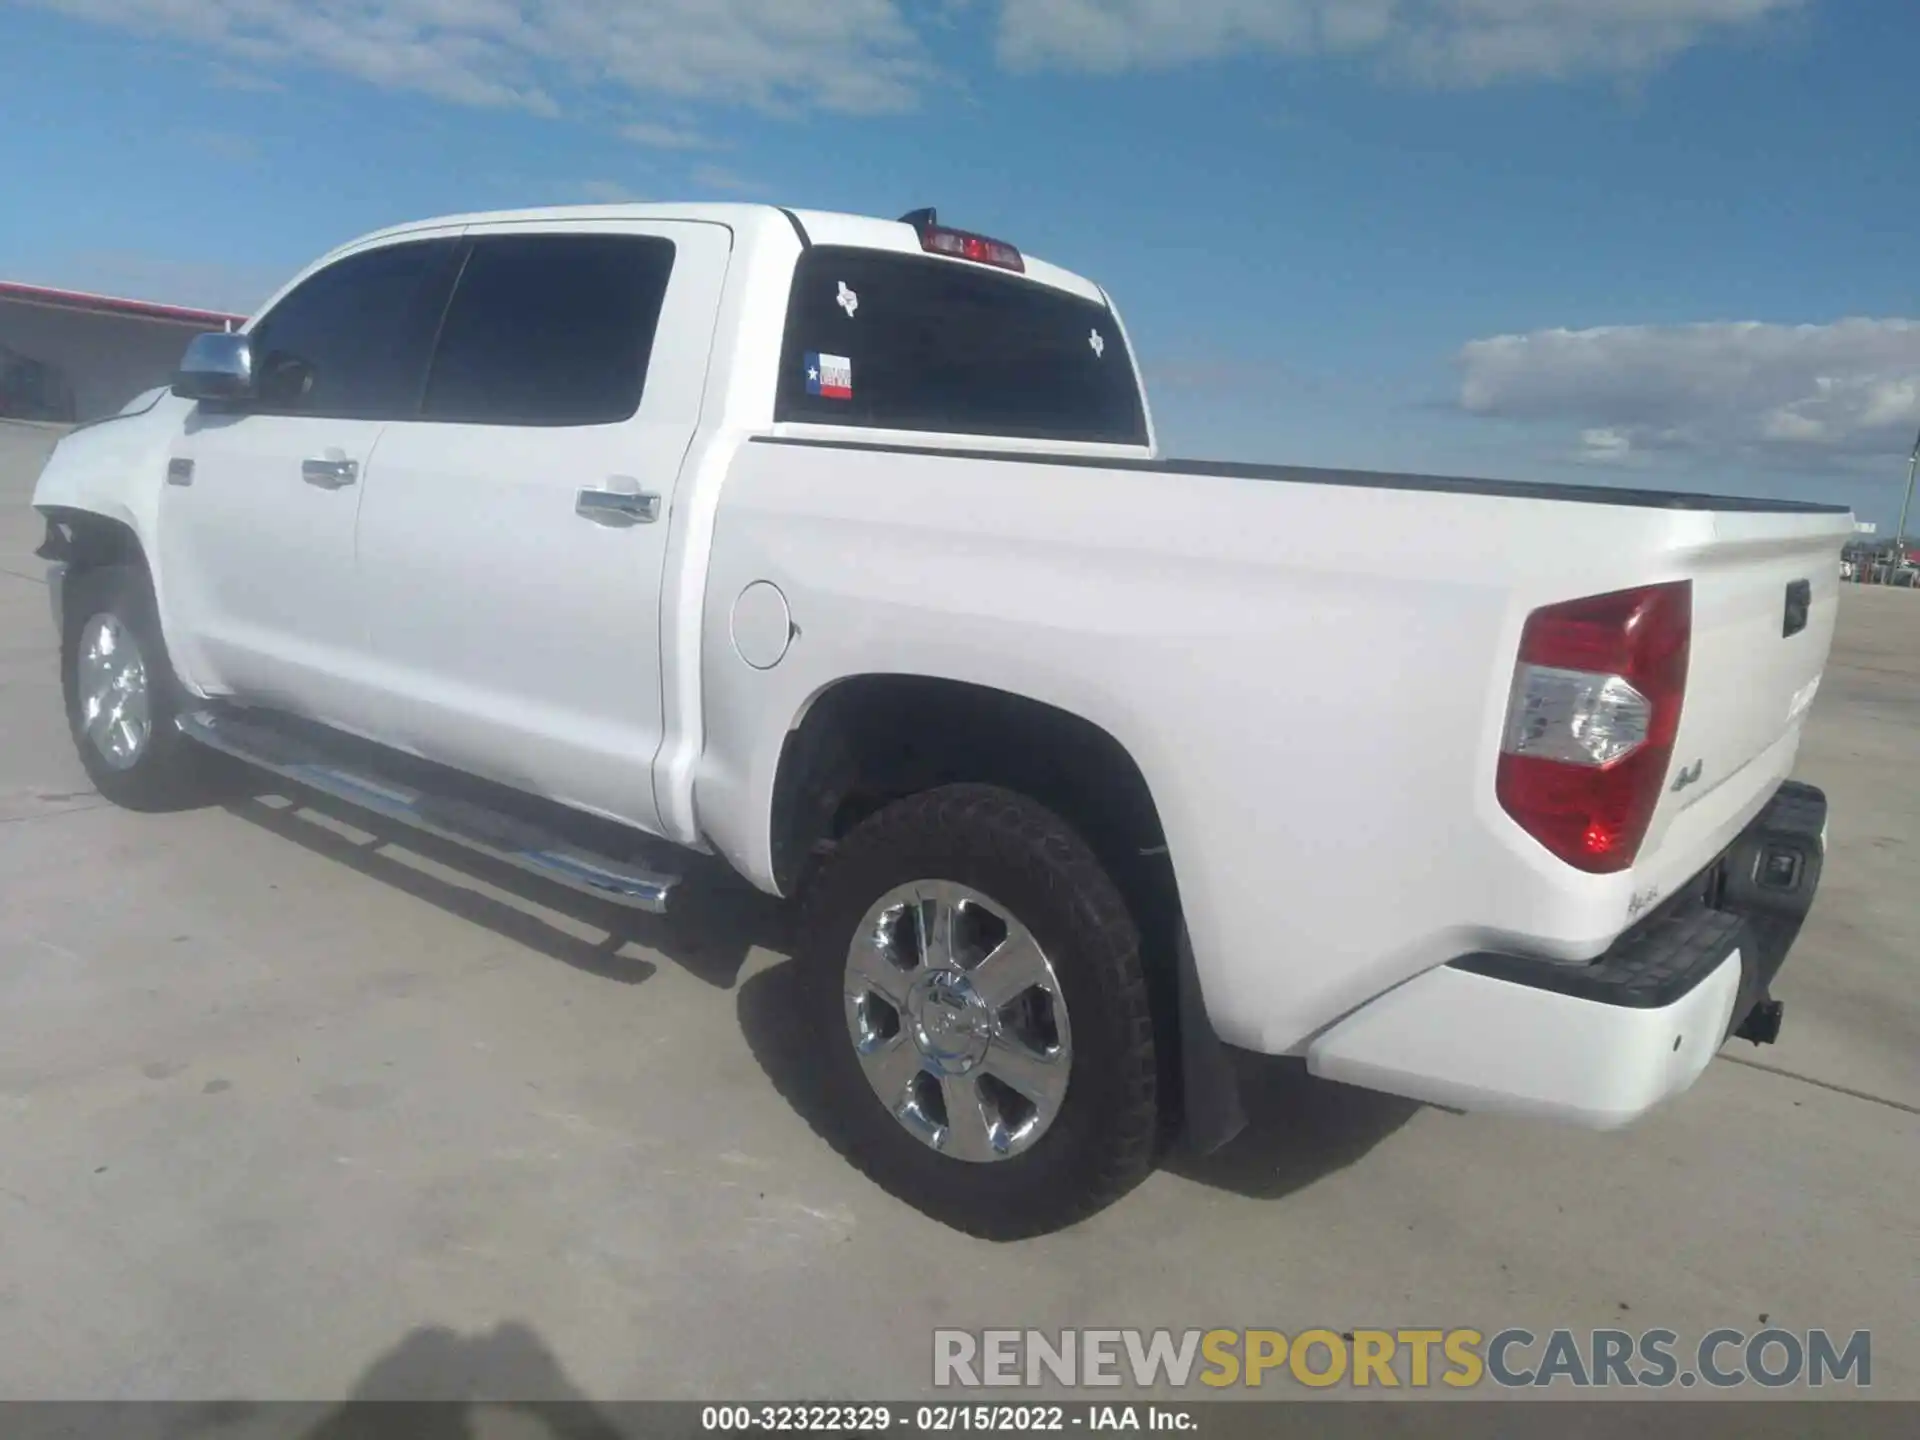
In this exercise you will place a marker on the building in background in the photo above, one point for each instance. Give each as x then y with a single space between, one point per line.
69 357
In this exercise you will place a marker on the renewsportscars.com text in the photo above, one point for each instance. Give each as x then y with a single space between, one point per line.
1392 1359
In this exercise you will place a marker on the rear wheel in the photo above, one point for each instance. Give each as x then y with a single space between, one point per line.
980 998
122 696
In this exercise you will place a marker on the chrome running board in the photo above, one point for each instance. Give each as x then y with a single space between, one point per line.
257 740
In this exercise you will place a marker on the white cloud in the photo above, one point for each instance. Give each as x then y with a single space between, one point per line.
1442 42
867 56
606 192
1746 389
665 137
229 77
1604 445
852 55
718 177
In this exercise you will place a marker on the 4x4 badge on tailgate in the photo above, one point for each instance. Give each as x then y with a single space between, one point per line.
1687 776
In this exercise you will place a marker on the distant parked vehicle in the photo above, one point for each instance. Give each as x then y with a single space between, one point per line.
1886 562
33 390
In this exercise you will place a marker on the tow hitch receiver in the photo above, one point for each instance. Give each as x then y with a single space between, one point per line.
1762 1025
1769 878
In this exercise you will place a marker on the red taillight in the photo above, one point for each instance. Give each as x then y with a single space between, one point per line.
1590 725
964 246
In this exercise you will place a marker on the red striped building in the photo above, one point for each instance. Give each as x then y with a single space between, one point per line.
68 356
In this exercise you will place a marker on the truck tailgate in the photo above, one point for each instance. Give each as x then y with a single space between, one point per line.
1765 592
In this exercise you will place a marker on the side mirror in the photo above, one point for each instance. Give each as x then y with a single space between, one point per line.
217 366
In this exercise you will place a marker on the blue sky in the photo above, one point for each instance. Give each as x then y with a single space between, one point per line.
1658 242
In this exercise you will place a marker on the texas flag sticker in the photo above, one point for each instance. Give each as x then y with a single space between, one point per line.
829 375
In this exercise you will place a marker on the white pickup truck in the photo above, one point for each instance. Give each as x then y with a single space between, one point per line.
842 548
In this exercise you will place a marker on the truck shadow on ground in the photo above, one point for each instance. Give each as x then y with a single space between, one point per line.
436 1384
716 921
506 1369
1299 1129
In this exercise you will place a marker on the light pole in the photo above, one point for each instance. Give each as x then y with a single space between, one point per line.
1900 535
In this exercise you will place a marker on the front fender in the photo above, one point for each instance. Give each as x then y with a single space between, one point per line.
113 468
113 471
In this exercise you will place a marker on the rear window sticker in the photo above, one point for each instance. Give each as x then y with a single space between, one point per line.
829 376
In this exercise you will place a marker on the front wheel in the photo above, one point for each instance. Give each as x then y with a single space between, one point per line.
979 994
122 697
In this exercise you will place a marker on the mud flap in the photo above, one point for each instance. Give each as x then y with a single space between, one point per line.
1210 1091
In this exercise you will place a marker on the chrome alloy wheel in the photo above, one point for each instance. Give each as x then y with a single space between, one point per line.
958 1020
115 714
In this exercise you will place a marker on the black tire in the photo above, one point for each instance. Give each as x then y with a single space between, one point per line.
169 772
1102 1140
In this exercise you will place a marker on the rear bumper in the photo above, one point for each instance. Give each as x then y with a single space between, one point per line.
1602 1043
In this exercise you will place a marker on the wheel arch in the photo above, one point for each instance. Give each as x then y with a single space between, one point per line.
864 741
87 539
79 542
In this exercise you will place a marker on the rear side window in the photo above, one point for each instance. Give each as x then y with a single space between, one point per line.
912 342
550 330
352 340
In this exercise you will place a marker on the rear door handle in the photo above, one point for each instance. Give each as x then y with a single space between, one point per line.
617 507
330 472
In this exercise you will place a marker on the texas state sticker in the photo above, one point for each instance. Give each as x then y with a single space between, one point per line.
830 376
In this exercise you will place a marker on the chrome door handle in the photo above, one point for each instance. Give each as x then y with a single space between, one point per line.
617 507
330 474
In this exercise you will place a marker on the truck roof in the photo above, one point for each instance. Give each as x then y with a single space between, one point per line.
818 227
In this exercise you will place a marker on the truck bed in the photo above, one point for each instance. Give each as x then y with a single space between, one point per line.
1331 657
1359 479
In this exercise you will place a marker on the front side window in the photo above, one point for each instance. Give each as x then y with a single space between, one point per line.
550 330
913 342
353 339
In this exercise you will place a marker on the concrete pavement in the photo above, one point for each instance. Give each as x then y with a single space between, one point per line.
289 1109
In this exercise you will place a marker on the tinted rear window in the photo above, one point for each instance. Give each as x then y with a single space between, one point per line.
550 330
911 342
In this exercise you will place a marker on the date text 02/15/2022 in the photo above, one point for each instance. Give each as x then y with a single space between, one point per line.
945 1419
